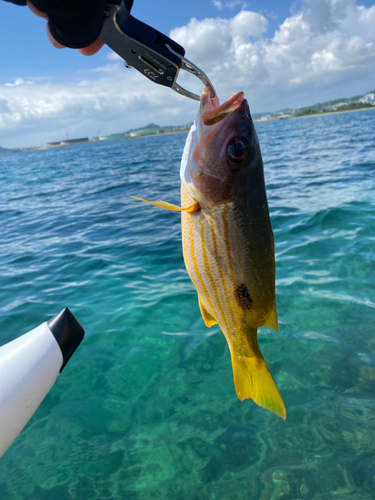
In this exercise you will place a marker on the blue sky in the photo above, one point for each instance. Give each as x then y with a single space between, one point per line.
281 54
25 49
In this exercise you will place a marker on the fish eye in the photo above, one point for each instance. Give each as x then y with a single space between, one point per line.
237 151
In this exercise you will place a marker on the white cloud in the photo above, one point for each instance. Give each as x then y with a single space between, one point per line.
116 100
229 5
326 46
215 41
112 56
234 3
326 42
19 81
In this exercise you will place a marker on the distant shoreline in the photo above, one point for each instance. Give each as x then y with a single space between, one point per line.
334 112
90 141
160 133
178 131
310 115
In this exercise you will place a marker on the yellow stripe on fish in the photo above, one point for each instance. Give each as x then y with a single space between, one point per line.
219 305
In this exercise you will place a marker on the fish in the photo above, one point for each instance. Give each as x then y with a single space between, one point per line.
227 238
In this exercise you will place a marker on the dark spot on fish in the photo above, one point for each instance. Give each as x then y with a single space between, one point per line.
243 297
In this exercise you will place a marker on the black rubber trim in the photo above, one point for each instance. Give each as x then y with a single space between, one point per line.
17 2
67 332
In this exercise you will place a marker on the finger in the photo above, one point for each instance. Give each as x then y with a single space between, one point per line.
39 13
35 11
92 49
57 45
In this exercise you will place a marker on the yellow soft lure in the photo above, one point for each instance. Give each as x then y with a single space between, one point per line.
169 206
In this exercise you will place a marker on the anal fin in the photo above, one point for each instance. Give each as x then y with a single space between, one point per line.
272 319
207 317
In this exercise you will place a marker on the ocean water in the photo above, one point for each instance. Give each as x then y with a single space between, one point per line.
146 407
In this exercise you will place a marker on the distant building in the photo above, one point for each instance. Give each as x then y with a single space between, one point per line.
338 105
264 118
69 142
368 99
111 137
144 131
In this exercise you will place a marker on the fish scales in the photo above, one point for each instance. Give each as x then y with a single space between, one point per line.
218 247
199 235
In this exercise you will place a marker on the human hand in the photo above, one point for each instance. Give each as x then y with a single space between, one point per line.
60 25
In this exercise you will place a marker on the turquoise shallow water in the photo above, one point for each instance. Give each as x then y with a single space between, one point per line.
146 408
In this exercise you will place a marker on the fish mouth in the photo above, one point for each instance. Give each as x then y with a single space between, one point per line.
200 163
212 112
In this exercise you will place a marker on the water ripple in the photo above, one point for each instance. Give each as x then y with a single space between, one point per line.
147 403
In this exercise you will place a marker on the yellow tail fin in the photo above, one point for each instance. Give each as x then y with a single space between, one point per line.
252 379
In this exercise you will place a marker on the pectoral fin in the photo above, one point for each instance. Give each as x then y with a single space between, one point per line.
169 206
252 379
272 320
207 317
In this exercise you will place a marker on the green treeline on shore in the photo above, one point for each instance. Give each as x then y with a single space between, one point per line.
346 107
